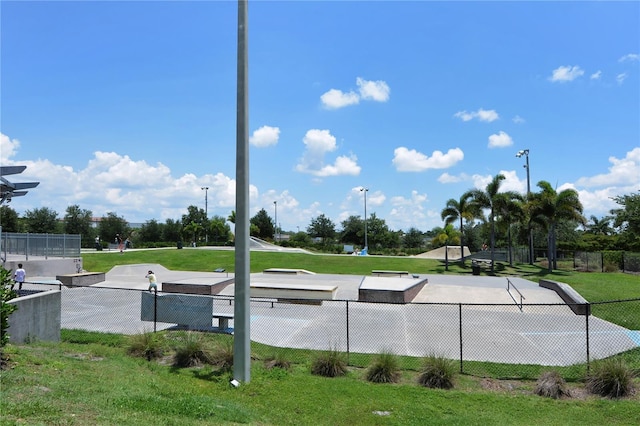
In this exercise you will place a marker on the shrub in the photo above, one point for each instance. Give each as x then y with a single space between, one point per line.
551 385
277 361
147 345
6 294
222 356
329 364
384 368
437 372
611 378
192 350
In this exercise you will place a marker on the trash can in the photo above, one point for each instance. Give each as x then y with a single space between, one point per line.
475 269
179 245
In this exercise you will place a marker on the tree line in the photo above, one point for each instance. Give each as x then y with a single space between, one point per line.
479 218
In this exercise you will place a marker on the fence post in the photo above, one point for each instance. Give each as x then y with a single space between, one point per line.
347 313
460 332
155 309
601 262
587 314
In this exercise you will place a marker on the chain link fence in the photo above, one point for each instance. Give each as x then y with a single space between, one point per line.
500 340
39 245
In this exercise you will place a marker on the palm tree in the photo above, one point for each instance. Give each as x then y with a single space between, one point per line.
460 210
487 199
550 207
600 226
509 208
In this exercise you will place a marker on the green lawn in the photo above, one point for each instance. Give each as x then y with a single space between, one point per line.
88 379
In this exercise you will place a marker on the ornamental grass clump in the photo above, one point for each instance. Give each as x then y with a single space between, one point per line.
192 350
385 368
437 372
329 364
146 345
222 356
278 360
551 385
611 378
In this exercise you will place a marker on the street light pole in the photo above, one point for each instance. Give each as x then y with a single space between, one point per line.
275 234
206 211
366 244
520 153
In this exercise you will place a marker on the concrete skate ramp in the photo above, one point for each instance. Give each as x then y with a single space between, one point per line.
439 253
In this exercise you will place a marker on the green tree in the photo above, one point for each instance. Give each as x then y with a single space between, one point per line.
191 231
459 210
195 215
264 223
486 200
9 219
79 221
627 220
172 231
380 236
150 232
549 208
322 227
112 224
413 238
41 220
6 293
352 231
219 230
509 209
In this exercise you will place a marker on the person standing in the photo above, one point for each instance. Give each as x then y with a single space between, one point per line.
19 276
120 243
153 282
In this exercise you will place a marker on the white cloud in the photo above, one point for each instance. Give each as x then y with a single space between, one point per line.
265 136
629 57
596 75
510 183
334 99
373 90
8 147
500 140
408 212
317 144
369 90
481 114
620 78
410 160
447 178
518 120
623 172
566 73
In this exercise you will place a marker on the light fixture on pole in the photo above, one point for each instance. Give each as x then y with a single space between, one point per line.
366 243
206 211
519 154
275 222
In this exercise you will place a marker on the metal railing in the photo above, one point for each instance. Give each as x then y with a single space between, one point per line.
39 245
511 285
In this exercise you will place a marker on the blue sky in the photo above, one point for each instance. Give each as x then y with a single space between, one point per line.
129 107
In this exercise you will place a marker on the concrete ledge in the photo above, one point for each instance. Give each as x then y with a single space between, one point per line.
572 298
390 290
37 317
299 293
195 286
82 279
381 273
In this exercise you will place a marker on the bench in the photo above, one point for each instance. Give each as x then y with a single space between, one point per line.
576 302
294 293
81 278
381 273
189 311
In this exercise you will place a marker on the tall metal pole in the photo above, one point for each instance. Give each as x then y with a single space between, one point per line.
206 211
275 233
241 337
366 243
520 153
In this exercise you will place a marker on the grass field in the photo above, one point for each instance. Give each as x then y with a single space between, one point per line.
88 378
